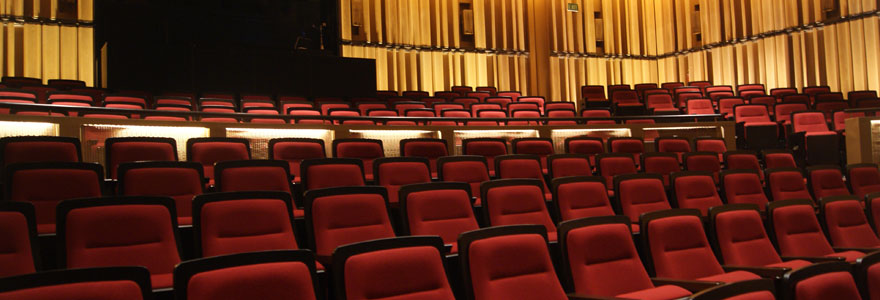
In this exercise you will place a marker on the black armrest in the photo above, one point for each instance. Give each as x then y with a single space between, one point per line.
863 250
690 285
574 296
447 248
765 272
814 259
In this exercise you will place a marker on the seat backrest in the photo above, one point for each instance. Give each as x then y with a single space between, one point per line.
743 187
487 147
839 118
109 283
695 189
345 215
596 252
46 184
609 165
542 147
321 173
23 149
639 193
471 169
121 231
562 165
272 275
808 121
366 150
787 183
825 181
439 208
781 92
593 93
595 113
209 151
295 150
778 159
702 161
429 148
830 280
18 236
784 110
677 246
660 163
737 231
179 180
625 97
252 175
237 222
520 166
526 264
395 172
585 145
514 202
700 106
678 146
578 197
741 160
863 179
659 101
796 229
846 223
635 146
711 144
748 113
356 266
131 149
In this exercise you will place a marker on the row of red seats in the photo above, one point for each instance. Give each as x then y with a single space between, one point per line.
242 219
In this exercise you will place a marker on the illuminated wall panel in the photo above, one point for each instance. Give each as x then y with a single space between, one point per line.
94 135
8 128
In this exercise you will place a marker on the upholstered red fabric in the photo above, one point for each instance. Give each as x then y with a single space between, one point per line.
96 290
779 160
848 226
835 285
696 192
582 199
679 249
662 165
39 151
254 178
588 147
744 188
518 204
628 145
707 163
295 152
864 180
711 145
570 166
271 281
236 226
489 149
333 175
513 267
427 149
473 173
345 219
751 114
123 235
600 255
305 112
541 148
827 182
641 195
786 185
744 161
798 233
809 122
15 245
363 150
523 168
44 188
699 106
675 145
181 184
392 274
446 213
122 152
743 241
613 166
393 175
208 153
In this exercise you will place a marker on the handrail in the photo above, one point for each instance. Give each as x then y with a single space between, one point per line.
98 110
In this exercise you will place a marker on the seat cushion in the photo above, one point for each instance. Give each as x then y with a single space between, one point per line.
666 292
735 276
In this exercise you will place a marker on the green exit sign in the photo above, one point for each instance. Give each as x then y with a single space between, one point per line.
573 7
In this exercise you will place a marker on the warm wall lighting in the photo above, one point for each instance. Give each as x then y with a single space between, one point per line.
94 135
9 128
259 137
